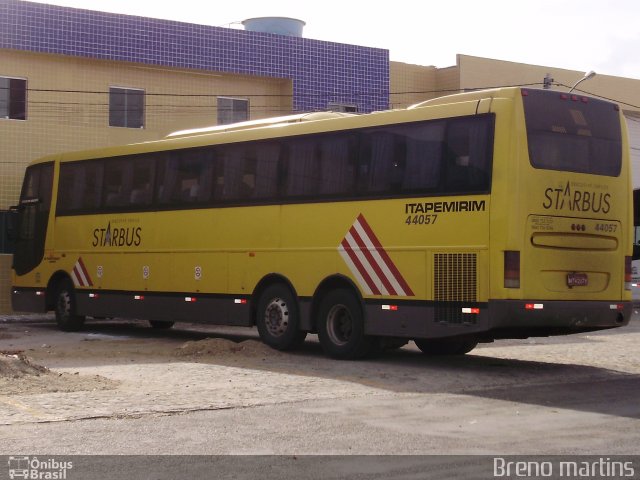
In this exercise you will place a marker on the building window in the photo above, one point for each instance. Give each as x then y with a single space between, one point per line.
232 110
126 107
13 98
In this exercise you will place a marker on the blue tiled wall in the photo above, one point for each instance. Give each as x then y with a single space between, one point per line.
321 71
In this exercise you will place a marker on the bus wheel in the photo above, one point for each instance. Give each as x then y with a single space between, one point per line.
65 308
446 346
278 318
341 326
161 324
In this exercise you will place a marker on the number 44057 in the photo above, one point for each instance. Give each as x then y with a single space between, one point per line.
606 227
425 219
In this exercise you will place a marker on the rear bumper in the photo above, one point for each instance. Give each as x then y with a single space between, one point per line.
495 319
558 316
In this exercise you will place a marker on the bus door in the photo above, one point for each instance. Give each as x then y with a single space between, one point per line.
33 216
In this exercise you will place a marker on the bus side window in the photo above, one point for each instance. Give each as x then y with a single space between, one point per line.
117 183
266 176
424 158
337 168
383 161
302 168
229 173
80 186
466 155
142 182
185 177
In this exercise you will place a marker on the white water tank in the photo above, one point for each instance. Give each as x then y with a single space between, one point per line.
278 25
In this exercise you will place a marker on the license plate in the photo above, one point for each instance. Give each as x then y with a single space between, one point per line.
577 279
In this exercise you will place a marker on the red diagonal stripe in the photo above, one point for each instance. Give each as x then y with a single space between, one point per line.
80 264
363 271
385 257
372 261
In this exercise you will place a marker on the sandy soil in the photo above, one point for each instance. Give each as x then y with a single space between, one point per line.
22 371
19 375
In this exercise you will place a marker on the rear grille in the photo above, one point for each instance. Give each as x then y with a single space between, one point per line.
454 282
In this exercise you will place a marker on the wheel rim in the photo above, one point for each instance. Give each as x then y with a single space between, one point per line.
339 325
276 317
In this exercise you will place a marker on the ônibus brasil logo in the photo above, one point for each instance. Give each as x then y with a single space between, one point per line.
35 468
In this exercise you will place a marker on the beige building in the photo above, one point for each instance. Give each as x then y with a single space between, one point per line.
469 73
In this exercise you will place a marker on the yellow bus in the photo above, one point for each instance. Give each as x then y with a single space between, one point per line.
484 215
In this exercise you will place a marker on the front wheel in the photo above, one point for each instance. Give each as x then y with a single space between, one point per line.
65 308
445 346
278 318
341 326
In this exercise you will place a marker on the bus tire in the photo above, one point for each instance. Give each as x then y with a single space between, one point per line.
278 318
65 308
161 324
451 346
340 326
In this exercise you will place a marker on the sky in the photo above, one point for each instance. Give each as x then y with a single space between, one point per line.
581 35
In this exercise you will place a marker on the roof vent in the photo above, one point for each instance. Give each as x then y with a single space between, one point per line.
278 25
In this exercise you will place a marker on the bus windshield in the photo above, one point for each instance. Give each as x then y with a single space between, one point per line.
572 133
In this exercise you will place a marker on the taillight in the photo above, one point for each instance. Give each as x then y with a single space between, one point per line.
627 273
511 269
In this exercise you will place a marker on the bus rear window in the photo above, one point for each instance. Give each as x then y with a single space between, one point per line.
572 133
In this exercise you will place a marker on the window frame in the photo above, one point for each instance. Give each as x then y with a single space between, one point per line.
10 102
221 111
126 122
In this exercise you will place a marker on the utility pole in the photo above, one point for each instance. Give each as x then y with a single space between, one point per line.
547 81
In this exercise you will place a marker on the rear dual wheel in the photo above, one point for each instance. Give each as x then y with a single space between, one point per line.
340 326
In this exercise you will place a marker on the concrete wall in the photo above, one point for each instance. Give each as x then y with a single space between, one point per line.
411 84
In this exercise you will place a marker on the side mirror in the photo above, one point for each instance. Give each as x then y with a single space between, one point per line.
636 252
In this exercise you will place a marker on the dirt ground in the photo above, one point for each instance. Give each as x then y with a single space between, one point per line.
120 386
23 370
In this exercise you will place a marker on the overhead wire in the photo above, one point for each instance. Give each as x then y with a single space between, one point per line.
52 108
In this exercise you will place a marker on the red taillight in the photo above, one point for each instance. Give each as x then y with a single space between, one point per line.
627 273
534 306
511 269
